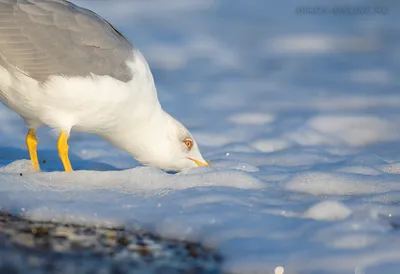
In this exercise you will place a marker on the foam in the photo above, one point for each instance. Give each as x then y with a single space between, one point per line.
299 117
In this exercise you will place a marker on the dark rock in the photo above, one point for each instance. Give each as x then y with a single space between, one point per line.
27 246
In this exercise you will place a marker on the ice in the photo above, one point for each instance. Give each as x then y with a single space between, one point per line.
270 145
324 183
355 241
346 130
298 114
252 118
328 210
321 44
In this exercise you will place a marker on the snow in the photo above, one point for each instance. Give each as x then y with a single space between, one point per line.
298 114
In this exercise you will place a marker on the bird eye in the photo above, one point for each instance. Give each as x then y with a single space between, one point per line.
188 143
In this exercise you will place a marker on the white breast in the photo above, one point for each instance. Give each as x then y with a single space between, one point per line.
89 104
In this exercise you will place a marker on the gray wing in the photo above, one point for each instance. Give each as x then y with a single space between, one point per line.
43 38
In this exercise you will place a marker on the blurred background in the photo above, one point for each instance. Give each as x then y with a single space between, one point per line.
221 65
265 75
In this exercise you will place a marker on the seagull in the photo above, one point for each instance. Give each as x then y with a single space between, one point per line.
65 67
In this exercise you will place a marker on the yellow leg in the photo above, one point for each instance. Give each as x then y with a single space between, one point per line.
62 146
31 143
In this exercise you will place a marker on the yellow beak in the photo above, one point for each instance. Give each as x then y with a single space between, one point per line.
198 163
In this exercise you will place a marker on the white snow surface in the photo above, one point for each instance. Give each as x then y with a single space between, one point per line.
298 113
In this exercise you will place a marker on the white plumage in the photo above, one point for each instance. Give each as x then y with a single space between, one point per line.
106 88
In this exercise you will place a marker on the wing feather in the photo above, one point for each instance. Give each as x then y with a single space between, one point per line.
43 38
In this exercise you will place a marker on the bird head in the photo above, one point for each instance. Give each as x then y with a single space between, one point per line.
171 147
163 142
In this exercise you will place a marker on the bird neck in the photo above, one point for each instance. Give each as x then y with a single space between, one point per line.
140 128
137 134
